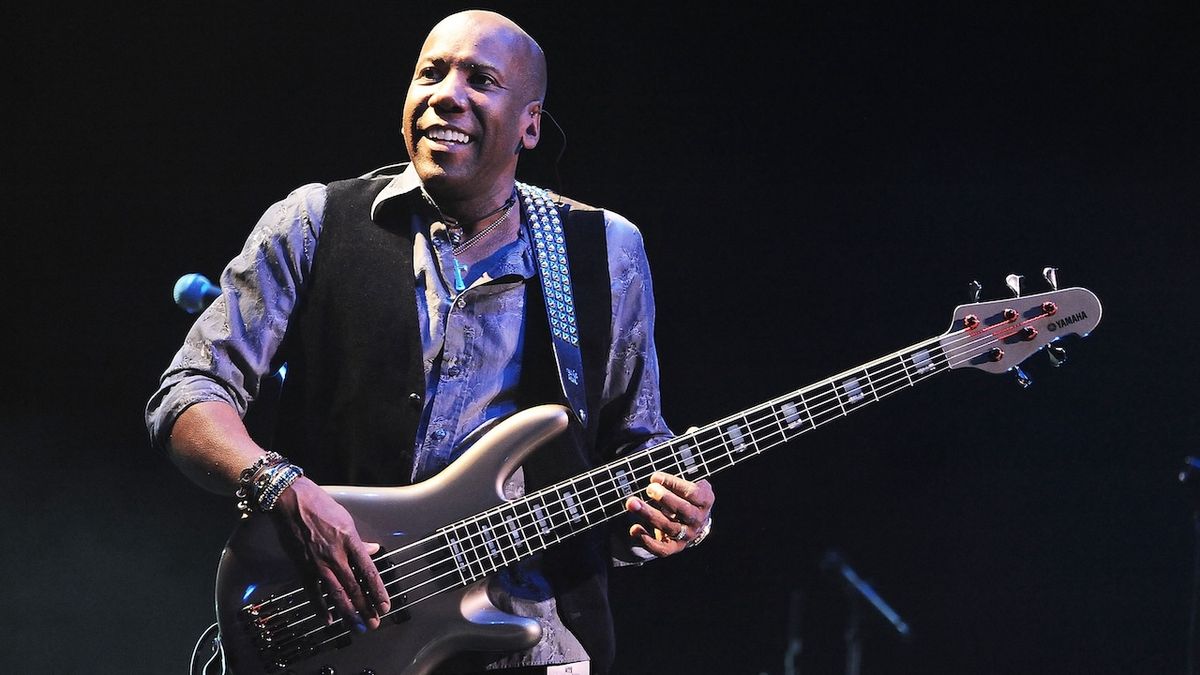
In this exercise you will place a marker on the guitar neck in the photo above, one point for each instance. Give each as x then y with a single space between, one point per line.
517 529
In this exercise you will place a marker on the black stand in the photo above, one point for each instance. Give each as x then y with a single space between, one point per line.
1190 477
858 595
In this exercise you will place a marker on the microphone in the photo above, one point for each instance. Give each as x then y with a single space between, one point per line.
194 291
833 561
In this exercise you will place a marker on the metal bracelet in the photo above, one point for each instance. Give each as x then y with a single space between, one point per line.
703 532
248 488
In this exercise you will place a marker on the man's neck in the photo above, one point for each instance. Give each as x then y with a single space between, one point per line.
474 213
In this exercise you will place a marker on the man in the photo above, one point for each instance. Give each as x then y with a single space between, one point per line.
406 305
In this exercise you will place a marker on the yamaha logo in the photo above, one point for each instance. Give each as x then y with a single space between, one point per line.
1066 321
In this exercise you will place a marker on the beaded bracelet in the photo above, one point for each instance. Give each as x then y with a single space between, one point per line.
281 479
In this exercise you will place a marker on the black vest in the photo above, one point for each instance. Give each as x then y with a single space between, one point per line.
352 398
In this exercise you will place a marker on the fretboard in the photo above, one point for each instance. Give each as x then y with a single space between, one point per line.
517 529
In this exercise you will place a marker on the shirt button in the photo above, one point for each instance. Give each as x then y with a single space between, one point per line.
438 434
461 303
454 371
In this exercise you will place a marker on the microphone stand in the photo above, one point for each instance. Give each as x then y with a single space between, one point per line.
1190 477
858 591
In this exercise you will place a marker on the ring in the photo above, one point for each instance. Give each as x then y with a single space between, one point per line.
682 533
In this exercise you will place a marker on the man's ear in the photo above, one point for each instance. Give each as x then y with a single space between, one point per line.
533 126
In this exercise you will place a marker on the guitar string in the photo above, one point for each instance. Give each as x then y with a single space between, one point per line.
643 455
773 421
874 381
880 380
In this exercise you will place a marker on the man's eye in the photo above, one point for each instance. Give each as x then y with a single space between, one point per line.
429 73
482 79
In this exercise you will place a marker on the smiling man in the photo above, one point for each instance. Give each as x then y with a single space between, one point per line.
409 305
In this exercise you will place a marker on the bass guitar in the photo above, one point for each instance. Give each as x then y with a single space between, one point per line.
443 538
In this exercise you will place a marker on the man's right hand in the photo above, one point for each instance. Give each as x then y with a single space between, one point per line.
320 536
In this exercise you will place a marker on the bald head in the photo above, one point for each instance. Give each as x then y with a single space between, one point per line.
528 58
474 103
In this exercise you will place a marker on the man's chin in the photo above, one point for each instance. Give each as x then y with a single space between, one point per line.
440 175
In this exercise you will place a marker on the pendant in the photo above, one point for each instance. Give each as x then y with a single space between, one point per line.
458 278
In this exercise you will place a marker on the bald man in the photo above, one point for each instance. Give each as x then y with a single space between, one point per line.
408 308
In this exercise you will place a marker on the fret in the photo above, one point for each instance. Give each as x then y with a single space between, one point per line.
516 534
918 359
490 545
739 436
591 497
469 551
611 498
459 555
623 482
690 460
791 418
854 391
711 445
527 524
890 376
640 466
480 542
545 526
825 402
926 361
572 508
502 536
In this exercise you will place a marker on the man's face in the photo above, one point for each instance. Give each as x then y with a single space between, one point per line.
468 107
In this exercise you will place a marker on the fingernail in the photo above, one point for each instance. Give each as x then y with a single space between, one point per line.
636 505
359 625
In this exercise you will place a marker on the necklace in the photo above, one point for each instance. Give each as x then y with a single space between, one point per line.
508 206
459 284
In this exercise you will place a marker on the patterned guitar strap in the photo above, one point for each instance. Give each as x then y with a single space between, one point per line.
545 229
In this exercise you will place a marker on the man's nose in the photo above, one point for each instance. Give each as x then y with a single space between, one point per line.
450 93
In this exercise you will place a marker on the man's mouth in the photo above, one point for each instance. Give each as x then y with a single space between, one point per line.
444 135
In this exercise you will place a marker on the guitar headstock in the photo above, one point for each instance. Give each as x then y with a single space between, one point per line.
999 335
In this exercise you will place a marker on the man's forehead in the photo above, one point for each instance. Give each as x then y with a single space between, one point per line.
470 40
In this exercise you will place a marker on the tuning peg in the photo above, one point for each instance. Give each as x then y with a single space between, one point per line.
1022 378
1051 275
1013 281
1058 355
973 290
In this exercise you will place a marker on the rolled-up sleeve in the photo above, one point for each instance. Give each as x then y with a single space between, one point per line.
229 349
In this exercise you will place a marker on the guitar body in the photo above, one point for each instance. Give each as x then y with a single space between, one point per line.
283 637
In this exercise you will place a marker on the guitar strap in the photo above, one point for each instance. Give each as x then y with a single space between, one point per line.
545 229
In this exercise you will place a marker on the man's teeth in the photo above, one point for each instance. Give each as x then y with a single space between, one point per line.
448 135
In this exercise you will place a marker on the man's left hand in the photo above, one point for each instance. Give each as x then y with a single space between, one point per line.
673 514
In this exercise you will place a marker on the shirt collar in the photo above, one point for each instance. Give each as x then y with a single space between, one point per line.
404 183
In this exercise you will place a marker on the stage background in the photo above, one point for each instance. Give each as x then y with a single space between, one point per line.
816 188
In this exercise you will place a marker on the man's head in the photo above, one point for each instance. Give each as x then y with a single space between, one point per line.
474 101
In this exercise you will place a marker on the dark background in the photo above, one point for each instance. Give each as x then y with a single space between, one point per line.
816 188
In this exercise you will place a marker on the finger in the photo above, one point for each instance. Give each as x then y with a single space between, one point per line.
336 594
651 517
361 610
643 538
371 580
675 507
699 493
